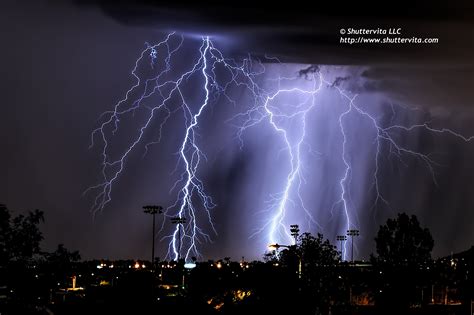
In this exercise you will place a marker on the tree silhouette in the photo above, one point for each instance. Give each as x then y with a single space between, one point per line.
59 265
402 263
20 236
20 239
4 234
316 251
402 241
62 256
319 282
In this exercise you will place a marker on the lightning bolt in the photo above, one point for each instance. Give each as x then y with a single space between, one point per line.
279 203
159 92
384 134
277 225
152 85
191 155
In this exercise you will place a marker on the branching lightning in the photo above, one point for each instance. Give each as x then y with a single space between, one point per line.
160 82
191 194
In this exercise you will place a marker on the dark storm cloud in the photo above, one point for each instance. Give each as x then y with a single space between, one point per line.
437 86
309 70
339 80
295 33
302 33
441 73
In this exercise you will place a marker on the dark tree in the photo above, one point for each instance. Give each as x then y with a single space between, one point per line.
319 259
402 241
4 234
271 257
20 237
316 251
60 265
62 256
402 264
313 261
311 251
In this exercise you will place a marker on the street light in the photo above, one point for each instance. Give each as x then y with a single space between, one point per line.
152 209
352 233
342 239
181 221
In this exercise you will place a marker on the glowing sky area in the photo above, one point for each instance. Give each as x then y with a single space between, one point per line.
320 152
284 125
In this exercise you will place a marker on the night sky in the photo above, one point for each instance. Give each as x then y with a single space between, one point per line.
64 64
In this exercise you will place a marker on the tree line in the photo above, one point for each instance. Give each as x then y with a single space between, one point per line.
310 275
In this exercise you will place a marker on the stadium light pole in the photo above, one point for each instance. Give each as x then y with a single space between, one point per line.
342 239
352 233
295 231
153 210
